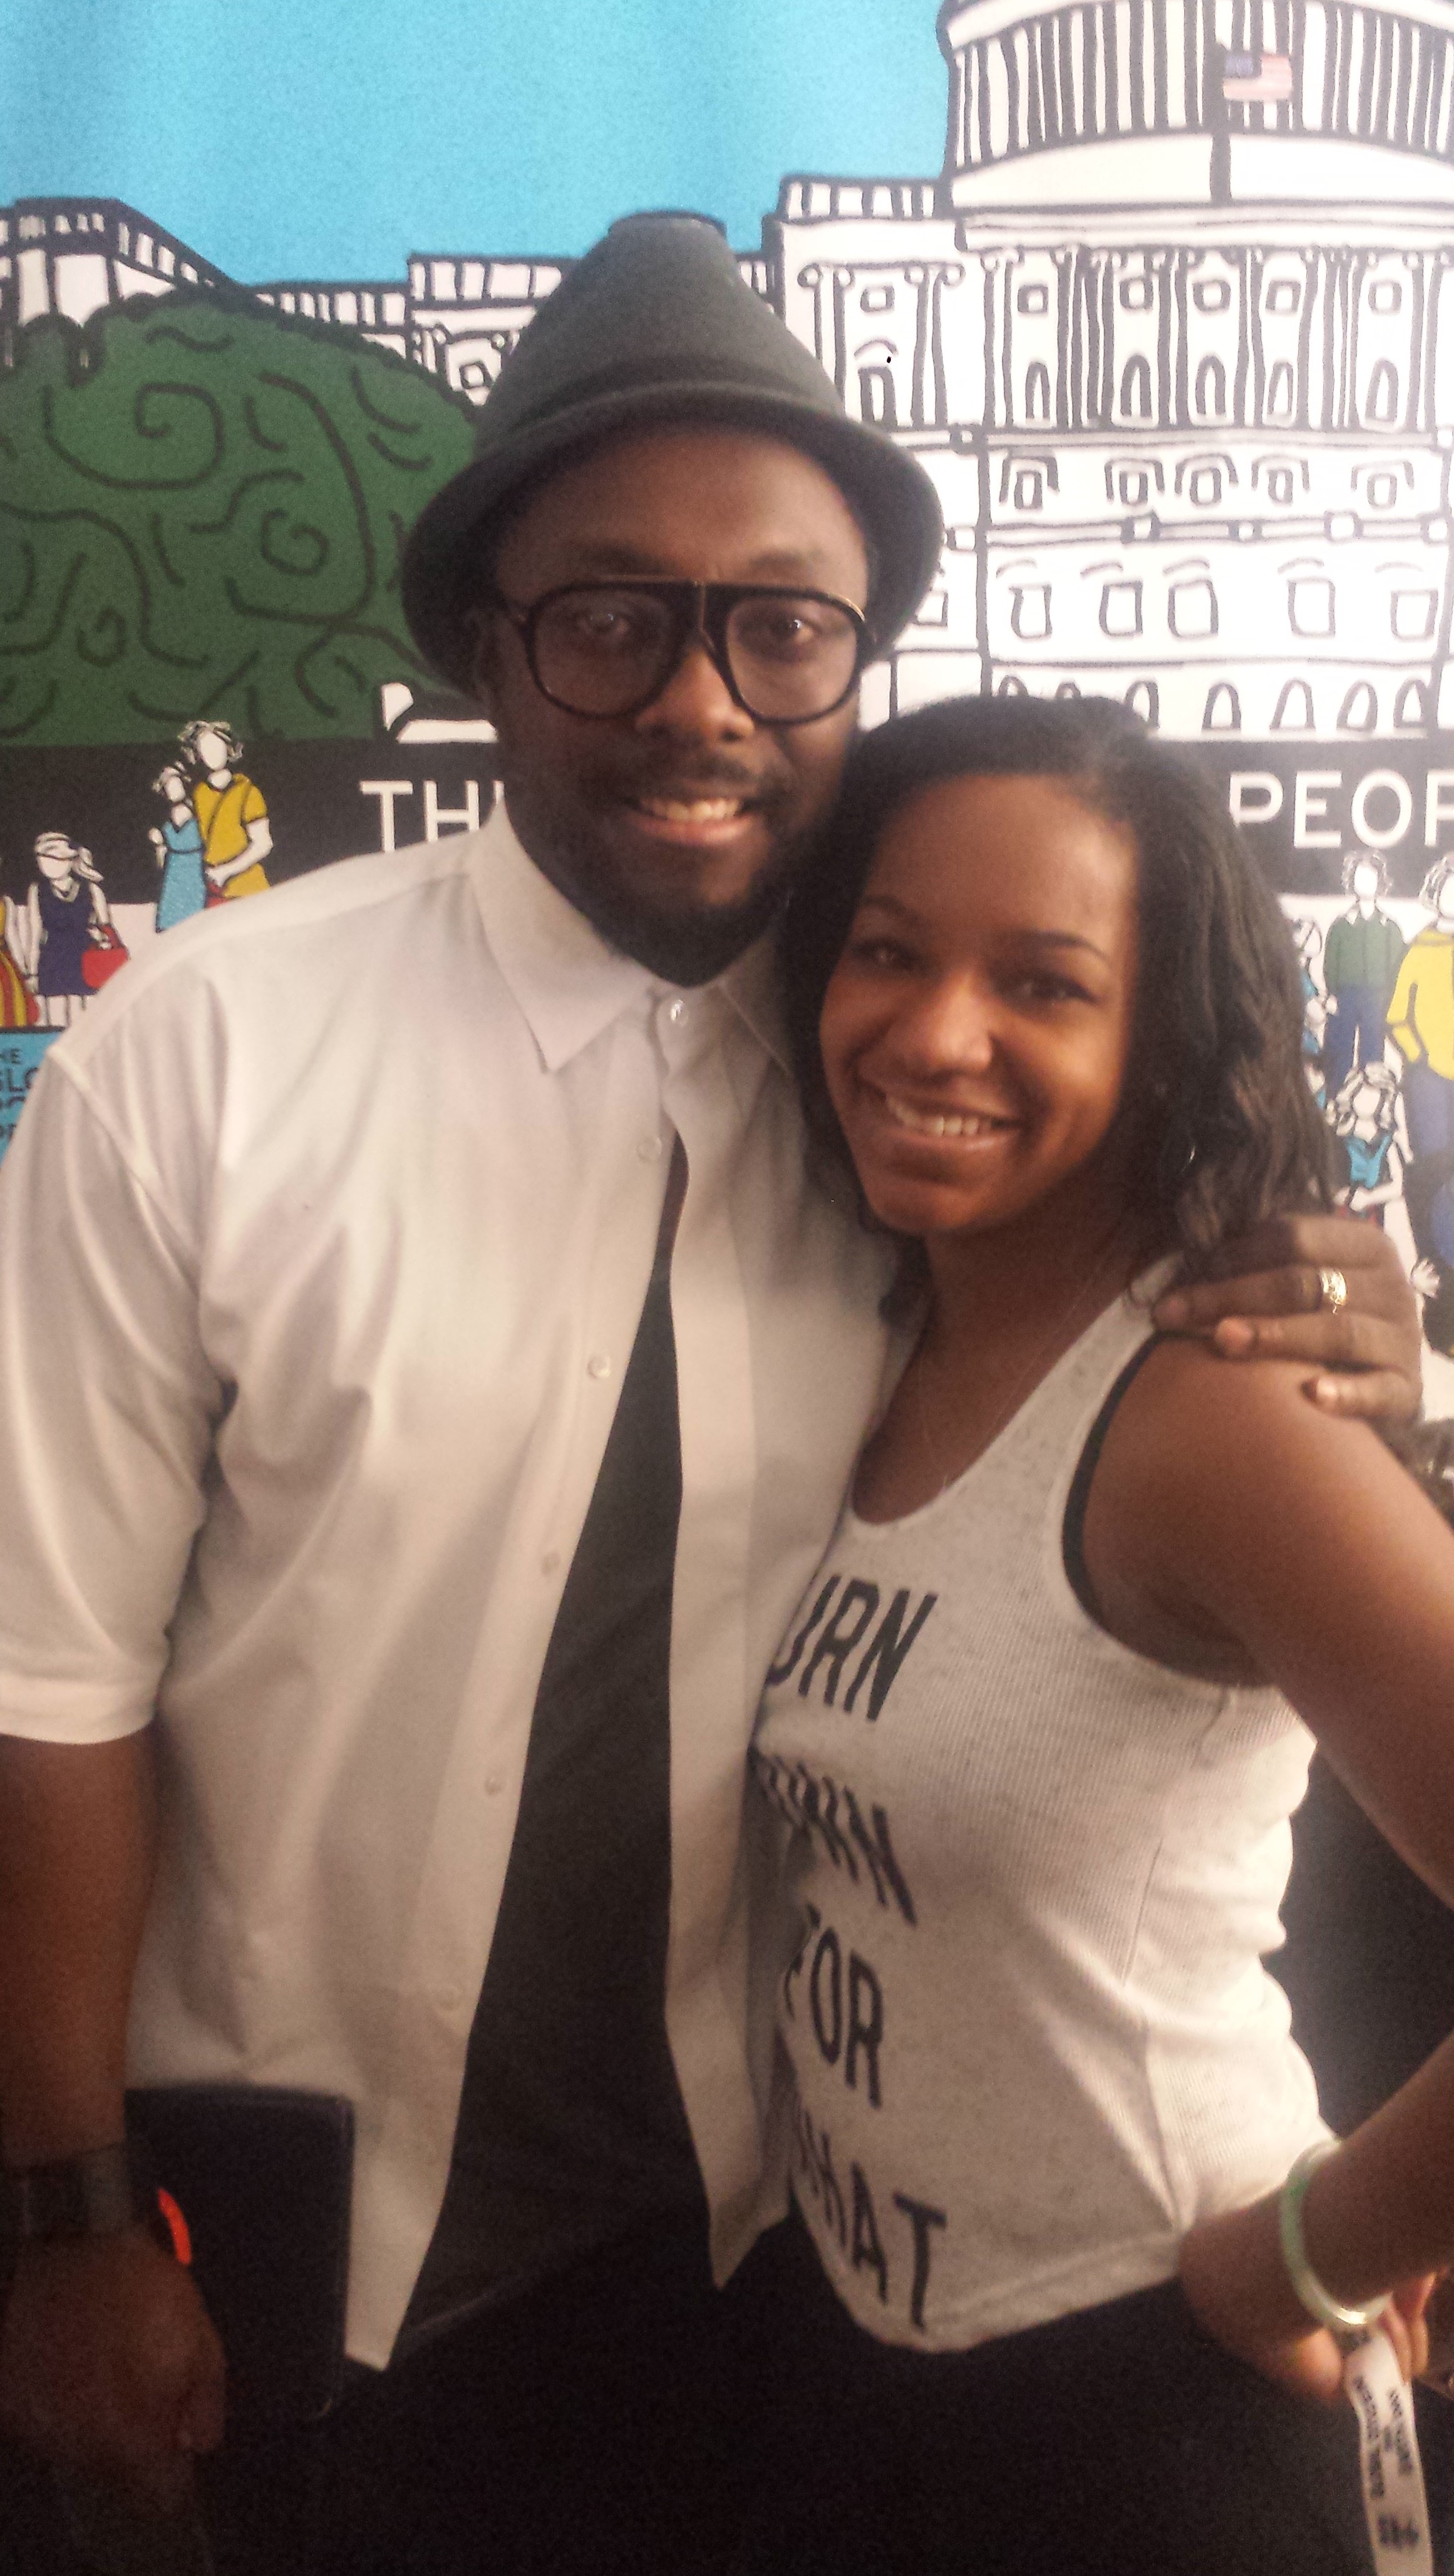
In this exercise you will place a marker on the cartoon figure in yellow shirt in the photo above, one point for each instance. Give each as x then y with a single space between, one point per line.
1421 1024
232 811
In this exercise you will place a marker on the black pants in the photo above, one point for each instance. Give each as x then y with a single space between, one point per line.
601 2425
1118 2442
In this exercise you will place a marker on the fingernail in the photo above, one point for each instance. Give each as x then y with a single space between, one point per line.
1235 1334
1324 1390
1172 1309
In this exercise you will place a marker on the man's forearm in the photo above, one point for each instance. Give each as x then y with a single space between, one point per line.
76 1844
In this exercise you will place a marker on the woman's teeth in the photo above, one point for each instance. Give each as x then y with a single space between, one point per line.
924 1122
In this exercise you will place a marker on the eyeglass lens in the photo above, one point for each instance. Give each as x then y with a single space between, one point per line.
600 651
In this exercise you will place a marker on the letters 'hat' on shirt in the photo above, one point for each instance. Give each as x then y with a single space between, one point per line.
655 325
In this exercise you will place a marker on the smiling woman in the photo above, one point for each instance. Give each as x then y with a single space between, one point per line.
1047 1008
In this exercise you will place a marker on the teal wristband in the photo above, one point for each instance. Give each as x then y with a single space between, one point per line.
1320 2304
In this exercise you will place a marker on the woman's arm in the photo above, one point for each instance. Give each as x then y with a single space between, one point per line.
1227 1510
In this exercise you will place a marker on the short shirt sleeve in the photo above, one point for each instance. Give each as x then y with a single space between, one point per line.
107 1406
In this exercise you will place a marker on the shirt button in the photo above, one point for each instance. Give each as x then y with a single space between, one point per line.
550 1562
598 1365
493 1784
650 1149
676 1012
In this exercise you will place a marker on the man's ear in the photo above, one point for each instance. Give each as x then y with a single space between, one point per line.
482 630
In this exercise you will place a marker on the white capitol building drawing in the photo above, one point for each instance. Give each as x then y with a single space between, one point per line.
1180 359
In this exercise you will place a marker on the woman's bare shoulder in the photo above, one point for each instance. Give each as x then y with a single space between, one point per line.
1214 1475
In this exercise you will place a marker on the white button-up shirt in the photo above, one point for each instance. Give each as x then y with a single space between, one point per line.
323 1244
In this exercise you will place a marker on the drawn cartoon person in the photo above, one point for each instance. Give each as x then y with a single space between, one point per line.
17 1004
178 846
1365 1121
1421 1024
67 916
1306 940
1361 959
232 812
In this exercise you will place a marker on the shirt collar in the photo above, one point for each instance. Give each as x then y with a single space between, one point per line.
566 981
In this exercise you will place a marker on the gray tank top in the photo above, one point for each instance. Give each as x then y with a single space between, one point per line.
1033 1875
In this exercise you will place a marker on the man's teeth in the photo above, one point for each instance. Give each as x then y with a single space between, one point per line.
936 1123
700 809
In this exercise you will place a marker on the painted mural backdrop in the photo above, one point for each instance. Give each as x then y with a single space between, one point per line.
1172 327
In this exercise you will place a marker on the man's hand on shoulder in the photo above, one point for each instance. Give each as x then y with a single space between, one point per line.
110 2364
1266 1300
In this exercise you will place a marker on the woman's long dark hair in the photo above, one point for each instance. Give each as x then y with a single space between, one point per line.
1223 1129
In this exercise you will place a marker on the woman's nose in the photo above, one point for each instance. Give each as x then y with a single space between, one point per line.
948 1026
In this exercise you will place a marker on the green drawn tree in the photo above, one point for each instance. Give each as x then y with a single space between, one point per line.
201 511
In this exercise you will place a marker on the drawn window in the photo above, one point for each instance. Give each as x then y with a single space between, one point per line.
1133 485
1283 295
876 299
1029 487
1011 687
1383 391
1310 605
1037 392
1212 294
1144 700
1413 614
1281 485
1293 712
1135 294
1204 486
1067 688
1191 609
1121 608
1280 391
1136 390
1030 612
1211 390
1385 295
933 609
1359 710
1381 491
876 397
1223 710
1032 299
1411 706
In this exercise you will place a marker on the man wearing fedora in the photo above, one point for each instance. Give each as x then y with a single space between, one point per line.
428 1388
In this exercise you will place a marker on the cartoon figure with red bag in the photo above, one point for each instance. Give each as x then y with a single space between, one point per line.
72 946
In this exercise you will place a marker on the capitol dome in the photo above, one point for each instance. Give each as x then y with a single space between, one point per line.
1198 102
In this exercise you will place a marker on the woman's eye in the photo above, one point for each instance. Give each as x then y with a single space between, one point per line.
1048 988
883 953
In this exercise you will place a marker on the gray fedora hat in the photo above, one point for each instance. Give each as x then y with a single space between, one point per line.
656 324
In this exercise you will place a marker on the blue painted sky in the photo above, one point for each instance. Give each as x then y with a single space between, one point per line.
332 137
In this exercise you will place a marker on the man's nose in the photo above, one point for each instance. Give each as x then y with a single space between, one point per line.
696 702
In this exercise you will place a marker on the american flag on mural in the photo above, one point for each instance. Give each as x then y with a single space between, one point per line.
1247 78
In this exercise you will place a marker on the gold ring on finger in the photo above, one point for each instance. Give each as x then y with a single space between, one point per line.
1332 1290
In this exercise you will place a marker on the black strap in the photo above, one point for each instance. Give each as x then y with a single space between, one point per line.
1072 1537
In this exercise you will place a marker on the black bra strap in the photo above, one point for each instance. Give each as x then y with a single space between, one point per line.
1072 1539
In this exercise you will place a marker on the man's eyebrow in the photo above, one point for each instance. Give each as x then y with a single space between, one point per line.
787 567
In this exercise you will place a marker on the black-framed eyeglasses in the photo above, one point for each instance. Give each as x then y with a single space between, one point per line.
607 648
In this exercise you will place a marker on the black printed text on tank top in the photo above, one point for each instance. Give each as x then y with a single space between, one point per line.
851 1648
